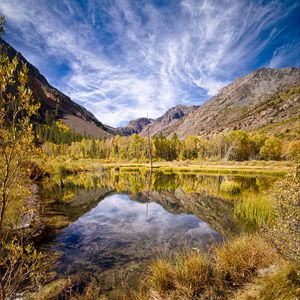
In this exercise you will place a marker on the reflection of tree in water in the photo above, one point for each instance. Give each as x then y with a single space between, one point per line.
63 189
71 196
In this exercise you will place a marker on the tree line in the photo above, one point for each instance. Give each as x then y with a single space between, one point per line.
235 145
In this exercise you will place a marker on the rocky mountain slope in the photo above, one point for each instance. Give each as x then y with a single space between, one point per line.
71 113
264 98
168 119
134 126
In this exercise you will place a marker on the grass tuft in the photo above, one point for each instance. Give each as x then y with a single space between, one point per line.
255 211
162 276
191 273
231 188
238 260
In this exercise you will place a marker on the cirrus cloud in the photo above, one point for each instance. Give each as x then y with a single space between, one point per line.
124 59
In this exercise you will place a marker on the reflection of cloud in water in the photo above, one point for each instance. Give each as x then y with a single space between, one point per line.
120 227
125 217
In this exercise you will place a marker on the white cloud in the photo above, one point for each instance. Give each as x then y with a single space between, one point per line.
285 53
130 59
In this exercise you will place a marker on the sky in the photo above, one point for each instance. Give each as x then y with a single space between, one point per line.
124 59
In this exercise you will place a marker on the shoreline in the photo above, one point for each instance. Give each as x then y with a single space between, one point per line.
271 168
67 165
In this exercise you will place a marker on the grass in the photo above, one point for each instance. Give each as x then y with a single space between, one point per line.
189 275
283 284
68 165
193 275
231 188
255 211
239 260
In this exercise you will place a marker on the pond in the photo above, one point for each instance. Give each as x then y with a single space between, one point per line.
110 226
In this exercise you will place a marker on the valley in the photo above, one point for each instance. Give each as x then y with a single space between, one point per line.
201 202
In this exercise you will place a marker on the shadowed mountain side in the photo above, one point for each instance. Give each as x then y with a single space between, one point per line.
134 126
217 213
73 114
168 119
57 215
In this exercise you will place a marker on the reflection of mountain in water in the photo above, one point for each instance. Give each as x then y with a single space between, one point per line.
196 194
212 210
58 214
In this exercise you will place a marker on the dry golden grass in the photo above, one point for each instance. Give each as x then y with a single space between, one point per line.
238 260
283 284
192 275
162 276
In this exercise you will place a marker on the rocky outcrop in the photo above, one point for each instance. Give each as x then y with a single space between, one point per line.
134 126
168 119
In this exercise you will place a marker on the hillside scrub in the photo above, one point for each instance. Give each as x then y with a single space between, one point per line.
285 232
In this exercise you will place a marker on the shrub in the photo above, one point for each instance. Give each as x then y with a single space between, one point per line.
293 150
272 149
21 265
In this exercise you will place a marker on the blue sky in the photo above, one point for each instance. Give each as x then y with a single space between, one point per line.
124 59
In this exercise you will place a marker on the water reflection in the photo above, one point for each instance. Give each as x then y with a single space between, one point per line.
119 231
209 197
115 222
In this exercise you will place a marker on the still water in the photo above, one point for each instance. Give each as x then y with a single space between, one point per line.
110 226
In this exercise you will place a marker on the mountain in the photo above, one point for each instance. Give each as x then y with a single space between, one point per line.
168 119
266 99
134 126
74 115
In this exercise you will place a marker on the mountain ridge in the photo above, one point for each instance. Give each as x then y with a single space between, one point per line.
171 116
261 98
73 114
258 99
